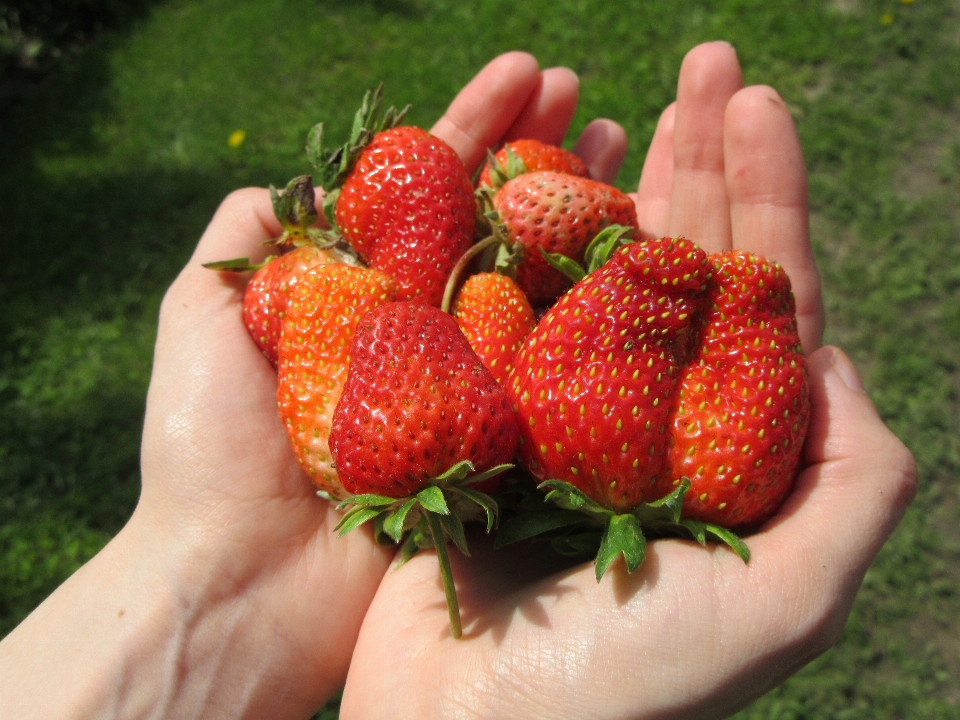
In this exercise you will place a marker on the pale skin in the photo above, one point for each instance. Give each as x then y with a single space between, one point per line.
227 595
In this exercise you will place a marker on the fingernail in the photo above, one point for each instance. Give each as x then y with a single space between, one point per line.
846 370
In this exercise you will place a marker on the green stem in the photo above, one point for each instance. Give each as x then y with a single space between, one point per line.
446 574
457 271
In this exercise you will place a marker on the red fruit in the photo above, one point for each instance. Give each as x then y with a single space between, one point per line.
529 156
314 355
496 317
265 299
559 214
593 384
407 208
417 401
742 408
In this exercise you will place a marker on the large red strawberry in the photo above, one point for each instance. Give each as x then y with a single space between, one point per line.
314 356
593 384
496 317
742 409
401 197
520 156
417 401
556 213
419 414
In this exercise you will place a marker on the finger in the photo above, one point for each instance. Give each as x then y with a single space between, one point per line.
549 109
699 208
488 106
857 484
656 180
767 186
602 146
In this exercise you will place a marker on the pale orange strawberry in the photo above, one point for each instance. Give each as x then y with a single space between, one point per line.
267 293
314 355
496 318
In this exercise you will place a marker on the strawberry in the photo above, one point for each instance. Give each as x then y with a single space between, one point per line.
742 406
593 384
266 296
419 414
267 292
401 197
417 400
496 317
520 156
556 213
314 355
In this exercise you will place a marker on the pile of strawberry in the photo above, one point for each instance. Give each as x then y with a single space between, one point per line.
437 344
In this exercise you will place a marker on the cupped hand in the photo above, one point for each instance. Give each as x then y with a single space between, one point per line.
694 633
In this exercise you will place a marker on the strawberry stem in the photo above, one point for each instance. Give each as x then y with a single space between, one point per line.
462 263
446 574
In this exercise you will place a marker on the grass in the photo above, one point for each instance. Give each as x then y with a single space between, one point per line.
111 167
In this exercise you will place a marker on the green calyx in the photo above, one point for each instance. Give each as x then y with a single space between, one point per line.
333 165
500 173
596 254
577 525
295 208
433 517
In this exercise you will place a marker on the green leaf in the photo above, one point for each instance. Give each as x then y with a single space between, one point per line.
698 529
487 474
530 525
432 499
566 496
487 503
458 472
410 547
731 539
453 529
366 500
622 537
353 519
394 522
240 264
604 244
571 268
673 503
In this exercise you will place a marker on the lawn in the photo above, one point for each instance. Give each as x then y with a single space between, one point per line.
112 163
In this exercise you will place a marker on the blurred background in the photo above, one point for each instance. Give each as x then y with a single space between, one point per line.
123 123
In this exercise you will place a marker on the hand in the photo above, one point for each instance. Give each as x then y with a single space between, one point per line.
228 594
694 633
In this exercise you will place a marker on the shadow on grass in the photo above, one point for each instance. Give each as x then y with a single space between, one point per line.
86 260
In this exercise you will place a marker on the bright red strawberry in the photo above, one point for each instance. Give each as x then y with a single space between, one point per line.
407 208
557 213
520 156
593 384
314 355
267 293
417 401
742 408
496 318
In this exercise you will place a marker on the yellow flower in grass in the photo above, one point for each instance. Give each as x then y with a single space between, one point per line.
236 138
886 19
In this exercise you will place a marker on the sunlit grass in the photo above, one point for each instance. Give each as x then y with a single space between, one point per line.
110 171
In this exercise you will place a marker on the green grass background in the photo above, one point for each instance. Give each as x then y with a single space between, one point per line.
111 166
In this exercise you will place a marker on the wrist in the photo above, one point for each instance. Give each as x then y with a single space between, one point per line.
145 628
